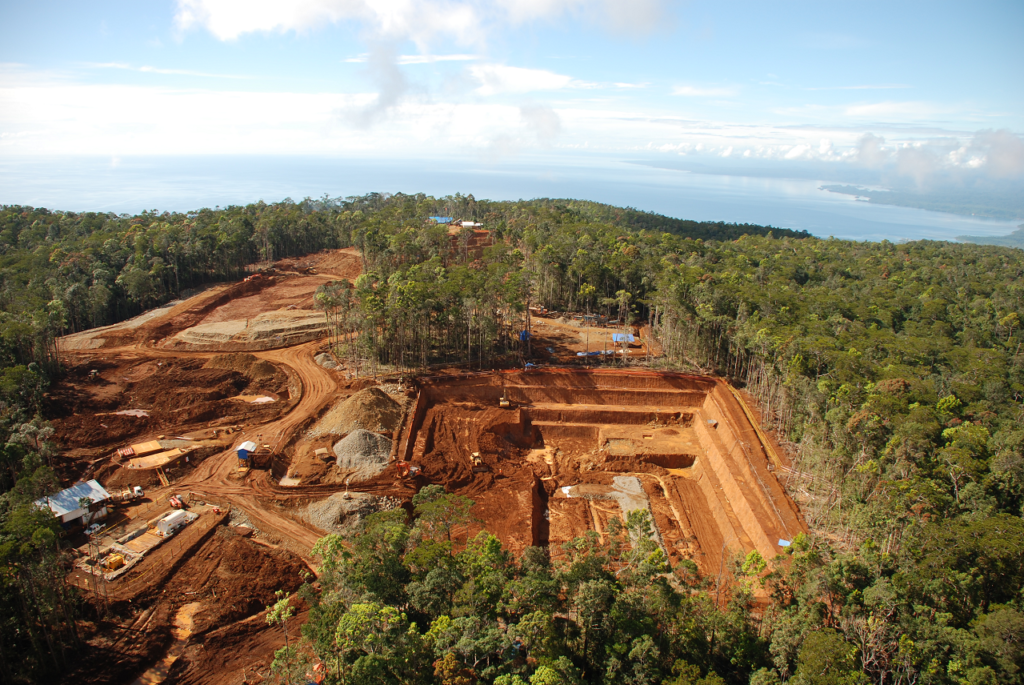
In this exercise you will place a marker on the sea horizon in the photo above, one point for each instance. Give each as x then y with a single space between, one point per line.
131 184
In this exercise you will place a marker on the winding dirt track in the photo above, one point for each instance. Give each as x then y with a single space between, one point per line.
311 387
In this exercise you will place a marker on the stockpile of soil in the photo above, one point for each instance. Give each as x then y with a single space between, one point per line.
370 409
363 453
175 396
244 363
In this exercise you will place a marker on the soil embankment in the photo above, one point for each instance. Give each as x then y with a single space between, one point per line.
574 450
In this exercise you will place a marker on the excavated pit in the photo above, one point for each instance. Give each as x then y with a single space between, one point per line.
576 448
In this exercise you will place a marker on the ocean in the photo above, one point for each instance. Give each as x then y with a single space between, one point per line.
133 184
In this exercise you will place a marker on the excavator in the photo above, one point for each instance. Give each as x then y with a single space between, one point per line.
405 469
504 402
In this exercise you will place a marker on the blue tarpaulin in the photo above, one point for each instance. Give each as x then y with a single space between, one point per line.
623 337
245 449
524 336
442 219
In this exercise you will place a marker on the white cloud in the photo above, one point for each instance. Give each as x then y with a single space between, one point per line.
870 151
419 20
630 17
417 59
698 92
543 121
892 110
1003 152
157 70
422 21
889 86
497 79
391 83
50 113
797 151
997 153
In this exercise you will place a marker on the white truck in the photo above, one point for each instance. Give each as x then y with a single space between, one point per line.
127 495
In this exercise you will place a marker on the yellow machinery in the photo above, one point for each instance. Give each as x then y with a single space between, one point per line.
115 561
504 402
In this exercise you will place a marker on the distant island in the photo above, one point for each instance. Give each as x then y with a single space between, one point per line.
1015 239
1006 206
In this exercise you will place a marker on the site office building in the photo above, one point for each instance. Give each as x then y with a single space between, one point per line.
66 504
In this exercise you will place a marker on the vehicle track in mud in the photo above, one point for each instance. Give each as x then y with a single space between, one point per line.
311 387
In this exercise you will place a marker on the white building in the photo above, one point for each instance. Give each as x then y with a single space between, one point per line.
66 506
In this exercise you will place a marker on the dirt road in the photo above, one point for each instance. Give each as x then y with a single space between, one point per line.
310 388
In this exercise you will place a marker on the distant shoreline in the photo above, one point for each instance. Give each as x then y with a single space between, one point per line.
961 203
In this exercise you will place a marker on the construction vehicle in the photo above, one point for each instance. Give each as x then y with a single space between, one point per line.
177 502
405 469
127 495
505 402
478 464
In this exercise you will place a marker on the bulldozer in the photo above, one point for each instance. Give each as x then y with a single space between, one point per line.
478 464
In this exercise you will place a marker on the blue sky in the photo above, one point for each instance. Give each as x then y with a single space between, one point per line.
919 88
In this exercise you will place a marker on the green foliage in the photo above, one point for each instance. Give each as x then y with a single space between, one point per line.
896 371
827 659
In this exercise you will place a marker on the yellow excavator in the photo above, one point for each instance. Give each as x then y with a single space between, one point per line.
504 401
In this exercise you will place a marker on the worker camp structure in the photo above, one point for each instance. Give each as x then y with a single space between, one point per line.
66 504
245 449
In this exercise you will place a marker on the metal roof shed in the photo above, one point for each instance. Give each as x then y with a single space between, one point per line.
64 504
245 449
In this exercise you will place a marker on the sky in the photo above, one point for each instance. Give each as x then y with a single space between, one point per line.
919 89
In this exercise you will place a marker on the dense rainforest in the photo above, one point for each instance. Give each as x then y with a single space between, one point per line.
894 372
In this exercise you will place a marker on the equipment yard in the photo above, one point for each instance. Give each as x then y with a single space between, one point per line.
183 573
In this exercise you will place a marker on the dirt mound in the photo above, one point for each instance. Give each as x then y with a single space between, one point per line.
370 409
242 362
336 514
364 453
262 369
122 478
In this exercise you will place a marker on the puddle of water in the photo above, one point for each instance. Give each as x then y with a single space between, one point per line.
137 413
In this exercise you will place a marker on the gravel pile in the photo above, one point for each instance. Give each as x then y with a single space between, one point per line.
363 453
336 514
325 360
370 409
237 517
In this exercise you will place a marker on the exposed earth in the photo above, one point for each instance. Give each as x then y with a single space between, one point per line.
249 361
